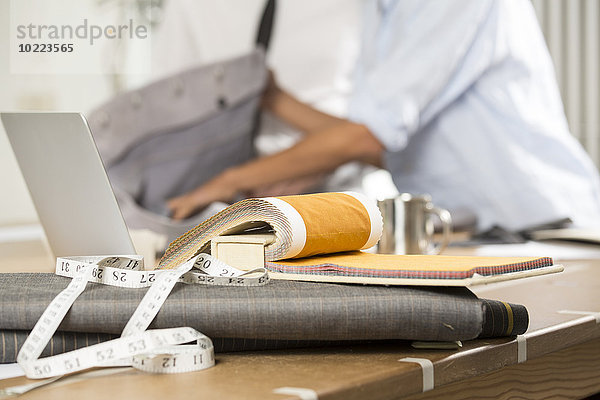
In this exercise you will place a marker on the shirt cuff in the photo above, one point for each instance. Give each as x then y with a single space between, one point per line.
394 136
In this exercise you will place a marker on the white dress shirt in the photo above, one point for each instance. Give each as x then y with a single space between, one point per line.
462 94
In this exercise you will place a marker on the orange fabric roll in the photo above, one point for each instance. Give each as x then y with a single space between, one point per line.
334 222
302 226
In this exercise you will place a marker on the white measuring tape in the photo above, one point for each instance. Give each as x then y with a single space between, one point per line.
156 350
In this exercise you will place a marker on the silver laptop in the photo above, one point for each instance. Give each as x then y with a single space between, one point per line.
68 184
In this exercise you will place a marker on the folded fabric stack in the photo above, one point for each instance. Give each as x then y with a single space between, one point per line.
281 314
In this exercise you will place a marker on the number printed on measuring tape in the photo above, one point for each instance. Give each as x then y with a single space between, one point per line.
156 350
207 270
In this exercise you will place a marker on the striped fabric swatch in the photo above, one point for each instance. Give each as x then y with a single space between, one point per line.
407 266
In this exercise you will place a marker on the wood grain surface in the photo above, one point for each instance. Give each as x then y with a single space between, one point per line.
570 373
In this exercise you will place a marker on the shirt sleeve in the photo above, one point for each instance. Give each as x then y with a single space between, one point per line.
416 58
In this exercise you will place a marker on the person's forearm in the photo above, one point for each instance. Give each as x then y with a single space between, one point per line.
321 152
294 112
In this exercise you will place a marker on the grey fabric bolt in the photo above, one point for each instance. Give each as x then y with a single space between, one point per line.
61 342
281 310
171 136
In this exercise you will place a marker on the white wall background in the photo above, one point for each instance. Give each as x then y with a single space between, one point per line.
41 92
32 92
311 27
572 30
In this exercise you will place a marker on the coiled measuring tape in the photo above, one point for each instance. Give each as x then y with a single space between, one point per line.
156 350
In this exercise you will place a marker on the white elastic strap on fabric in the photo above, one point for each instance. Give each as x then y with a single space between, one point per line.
426 367
302 393
11 392
296 223
374 216
594 314
521 349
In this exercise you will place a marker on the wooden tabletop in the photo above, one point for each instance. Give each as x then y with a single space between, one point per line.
558 356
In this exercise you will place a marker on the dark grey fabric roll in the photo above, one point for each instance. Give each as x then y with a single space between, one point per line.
503 319
497 322
281 310
61 342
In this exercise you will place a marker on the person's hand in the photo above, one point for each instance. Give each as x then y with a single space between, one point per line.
289 187
190 203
